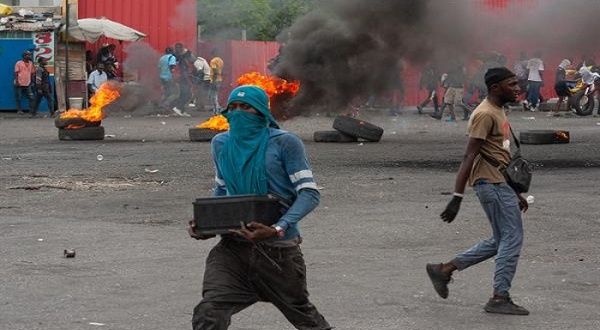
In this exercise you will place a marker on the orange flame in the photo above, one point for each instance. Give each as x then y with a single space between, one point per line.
562 135
106 94
272 85
218 123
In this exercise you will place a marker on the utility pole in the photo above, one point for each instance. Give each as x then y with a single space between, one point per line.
67 11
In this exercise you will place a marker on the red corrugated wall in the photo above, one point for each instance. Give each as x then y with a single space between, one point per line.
166 22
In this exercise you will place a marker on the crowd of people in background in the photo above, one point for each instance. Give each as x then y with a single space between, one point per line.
464 87
101 68
189 80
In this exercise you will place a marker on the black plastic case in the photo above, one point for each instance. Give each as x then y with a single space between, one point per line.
217 215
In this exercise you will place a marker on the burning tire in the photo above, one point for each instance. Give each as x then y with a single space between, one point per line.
85 133
77 122
202 134
544 137
581 103
358 128
333 136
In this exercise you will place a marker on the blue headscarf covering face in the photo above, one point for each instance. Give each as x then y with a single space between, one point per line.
242 159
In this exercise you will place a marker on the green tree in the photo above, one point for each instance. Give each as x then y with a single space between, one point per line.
262 19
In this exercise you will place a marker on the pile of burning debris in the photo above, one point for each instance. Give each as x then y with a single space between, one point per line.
280 91
76 124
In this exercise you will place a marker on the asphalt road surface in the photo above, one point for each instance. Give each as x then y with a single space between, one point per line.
366 245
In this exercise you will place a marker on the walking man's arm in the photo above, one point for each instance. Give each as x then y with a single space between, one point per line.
453 207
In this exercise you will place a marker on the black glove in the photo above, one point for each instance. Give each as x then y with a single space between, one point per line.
451 209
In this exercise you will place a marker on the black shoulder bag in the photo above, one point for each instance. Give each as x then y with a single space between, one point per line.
518 171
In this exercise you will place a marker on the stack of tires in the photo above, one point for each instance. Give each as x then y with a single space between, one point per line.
348 129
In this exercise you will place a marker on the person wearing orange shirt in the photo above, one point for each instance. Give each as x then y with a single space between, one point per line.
24 71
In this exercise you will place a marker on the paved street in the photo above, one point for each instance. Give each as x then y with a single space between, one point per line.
366 245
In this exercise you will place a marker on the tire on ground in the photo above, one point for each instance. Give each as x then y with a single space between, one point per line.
544 136
358 128
85 133
333 136
202 134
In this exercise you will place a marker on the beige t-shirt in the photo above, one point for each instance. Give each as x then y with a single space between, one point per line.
489 123
216 65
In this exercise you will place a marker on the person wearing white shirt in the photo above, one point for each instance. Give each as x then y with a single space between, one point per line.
536 70
96 78
200 82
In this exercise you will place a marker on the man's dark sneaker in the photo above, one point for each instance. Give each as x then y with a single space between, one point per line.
419 109
436 117
439 279
504 305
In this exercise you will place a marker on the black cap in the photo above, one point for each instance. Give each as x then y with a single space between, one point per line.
496 75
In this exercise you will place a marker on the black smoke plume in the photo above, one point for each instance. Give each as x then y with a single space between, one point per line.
350 49
346 50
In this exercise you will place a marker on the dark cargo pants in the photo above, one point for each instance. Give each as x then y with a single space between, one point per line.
237 276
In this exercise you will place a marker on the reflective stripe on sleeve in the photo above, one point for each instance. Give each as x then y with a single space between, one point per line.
304 174
310 185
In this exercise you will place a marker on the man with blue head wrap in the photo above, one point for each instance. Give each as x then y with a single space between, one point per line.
256 157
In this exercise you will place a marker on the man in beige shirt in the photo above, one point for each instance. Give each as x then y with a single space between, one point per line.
489 135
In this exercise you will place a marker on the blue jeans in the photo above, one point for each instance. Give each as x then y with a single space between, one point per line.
533 93
26 91
501 206
213 96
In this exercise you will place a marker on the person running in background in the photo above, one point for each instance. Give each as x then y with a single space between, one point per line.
429 81
200 82
184 83
454 92
166 66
